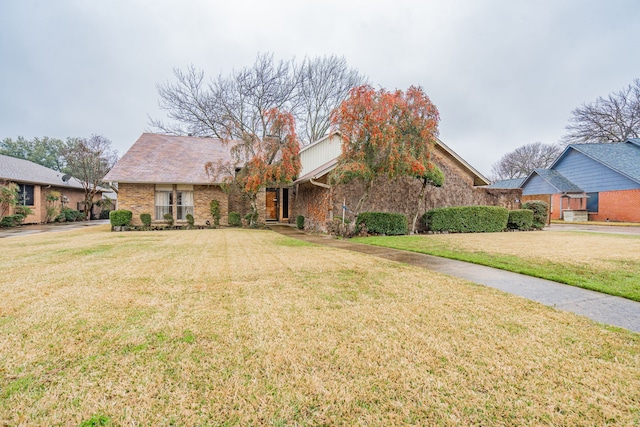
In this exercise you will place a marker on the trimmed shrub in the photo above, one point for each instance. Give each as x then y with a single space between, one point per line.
539 209
145 218
168 218
11 220
120 217
467 219
70 215
300 222
234 219
520 219
190 220
214 208
387 223
104 214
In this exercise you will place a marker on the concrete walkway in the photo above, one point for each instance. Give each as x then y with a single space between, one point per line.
600 307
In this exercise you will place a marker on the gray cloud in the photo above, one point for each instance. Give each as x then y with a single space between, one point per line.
502 73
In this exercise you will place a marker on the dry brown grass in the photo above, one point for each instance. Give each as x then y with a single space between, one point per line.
251 328
554 246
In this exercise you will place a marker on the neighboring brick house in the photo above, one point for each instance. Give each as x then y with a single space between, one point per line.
319 202
36 182
600 182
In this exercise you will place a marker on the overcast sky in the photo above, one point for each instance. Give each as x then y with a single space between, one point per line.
503 73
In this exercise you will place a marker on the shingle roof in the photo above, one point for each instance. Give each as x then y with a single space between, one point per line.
559 181
155 158
622 157
507 183
24 171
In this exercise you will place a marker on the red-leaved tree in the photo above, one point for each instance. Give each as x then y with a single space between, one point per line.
387 134
260 161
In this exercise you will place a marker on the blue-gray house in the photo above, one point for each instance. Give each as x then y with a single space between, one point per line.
595 181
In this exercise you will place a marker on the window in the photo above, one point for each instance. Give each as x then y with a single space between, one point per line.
184 201
163 201
592 202
176 200
25 195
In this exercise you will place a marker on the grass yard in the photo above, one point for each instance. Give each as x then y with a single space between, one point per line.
243 327
608 263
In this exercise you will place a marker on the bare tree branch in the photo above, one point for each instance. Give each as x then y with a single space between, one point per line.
523 160
614 119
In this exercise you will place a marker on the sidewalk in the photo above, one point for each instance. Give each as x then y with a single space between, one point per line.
600 307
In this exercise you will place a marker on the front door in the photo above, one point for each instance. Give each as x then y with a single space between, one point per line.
272 204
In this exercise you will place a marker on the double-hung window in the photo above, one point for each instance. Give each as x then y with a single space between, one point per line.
184 201
163 201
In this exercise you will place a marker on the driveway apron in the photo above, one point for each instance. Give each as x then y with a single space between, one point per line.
600 307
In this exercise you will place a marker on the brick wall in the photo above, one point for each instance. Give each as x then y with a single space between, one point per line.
137 198
140 198
319 204
202 197
39 214
621 205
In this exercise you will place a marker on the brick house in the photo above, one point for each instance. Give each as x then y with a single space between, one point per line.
597 182
166 174
163 174
319 202
35 182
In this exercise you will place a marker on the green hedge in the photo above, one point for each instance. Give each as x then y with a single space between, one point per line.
234 219
520 219
300 222
467 219
120 217
387 223
70 215
539 209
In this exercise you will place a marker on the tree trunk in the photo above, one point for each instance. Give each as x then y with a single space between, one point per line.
423 190
367 190
254 209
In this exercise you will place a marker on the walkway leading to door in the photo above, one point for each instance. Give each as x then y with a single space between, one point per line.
600 307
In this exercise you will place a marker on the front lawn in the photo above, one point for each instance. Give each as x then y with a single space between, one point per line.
245 327
607 263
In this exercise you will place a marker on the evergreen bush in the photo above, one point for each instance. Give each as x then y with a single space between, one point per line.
214 208
387 223
145 218
168 218
234 219
539 209
466 219
120 217
300 222
520 219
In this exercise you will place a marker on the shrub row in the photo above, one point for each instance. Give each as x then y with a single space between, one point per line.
467 219
387 223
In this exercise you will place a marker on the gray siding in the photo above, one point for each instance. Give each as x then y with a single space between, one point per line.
590 175
537 185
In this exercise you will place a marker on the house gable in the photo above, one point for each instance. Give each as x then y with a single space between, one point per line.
590 174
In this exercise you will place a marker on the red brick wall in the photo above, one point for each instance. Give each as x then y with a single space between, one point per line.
621 205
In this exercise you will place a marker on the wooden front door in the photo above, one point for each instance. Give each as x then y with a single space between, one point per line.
272 204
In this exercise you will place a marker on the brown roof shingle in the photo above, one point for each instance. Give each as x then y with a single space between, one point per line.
156 158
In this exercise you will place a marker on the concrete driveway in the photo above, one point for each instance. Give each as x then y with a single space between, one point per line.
25 230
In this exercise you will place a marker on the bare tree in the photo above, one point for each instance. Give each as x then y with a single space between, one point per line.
323 84
614 119
89 160
520 162
235 106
